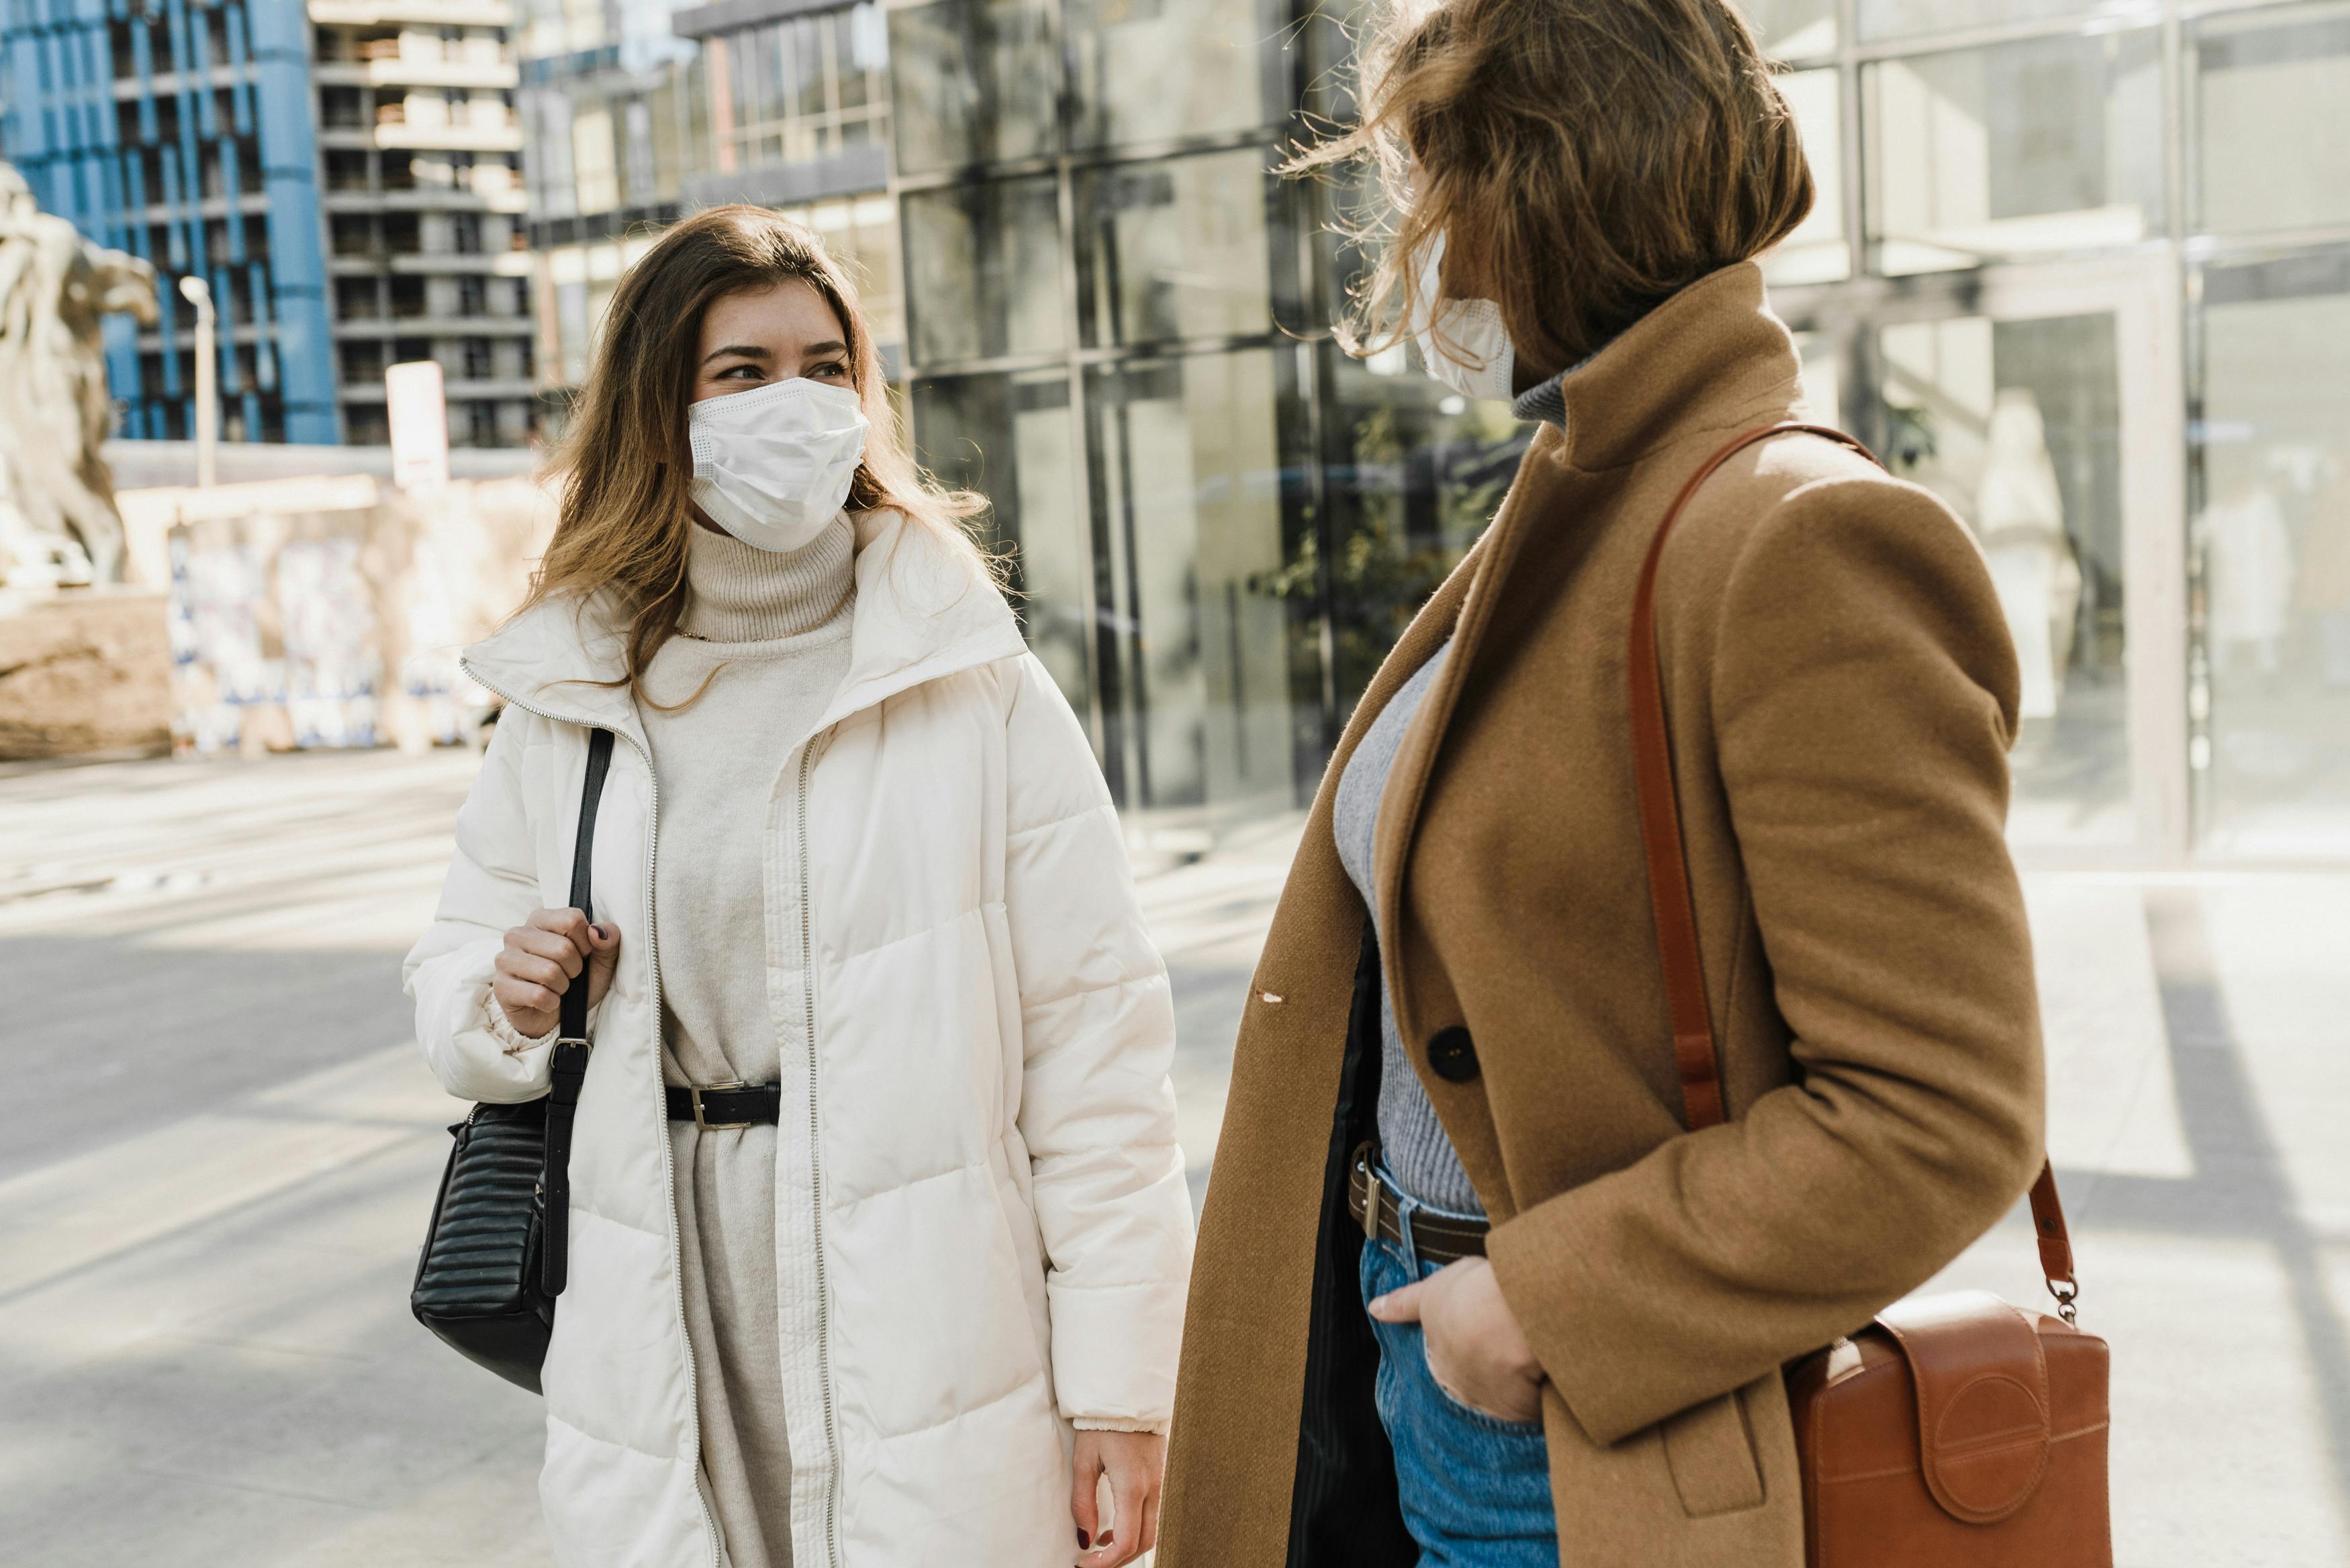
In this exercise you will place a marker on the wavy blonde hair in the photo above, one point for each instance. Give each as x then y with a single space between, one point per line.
1584 159
625 465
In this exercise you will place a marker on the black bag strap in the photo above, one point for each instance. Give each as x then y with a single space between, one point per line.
569 1065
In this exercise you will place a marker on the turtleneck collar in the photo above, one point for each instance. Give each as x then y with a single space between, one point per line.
1703 359
739 593
1545 402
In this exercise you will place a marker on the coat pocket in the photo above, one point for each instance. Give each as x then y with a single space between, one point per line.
1710 1449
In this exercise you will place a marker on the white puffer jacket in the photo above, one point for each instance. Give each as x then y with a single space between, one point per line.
982 1229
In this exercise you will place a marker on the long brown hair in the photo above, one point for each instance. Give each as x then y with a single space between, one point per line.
626 468
1584 159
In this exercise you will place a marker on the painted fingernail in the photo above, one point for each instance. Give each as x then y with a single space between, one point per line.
1084 1540
599 932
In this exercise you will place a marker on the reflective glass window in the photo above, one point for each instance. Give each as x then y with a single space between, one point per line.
1903 18
1793 29
1823 377
1195 655
637 152
2048 146
2016 425
799 89
1412 473
1011 438
983 270
567 272
862 77
860 233
547 153
594 168
1164 68
2274 123
976 81
675 136
1816 251
1175 248
2273 539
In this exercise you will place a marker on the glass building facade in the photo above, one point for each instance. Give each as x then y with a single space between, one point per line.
2084 270
1117 319
639 114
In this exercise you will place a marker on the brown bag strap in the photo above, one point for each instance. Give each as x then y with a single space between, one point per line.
1669 885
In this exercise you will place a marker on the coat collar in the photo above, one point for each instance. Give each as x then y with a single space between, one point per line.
1696 362
1710 358
925 610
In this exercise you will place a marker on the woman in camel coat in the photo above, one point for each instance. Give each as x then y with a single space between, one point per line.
1603 1385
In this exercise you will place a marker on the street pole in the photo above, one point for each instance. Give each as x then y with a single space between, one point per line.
198 294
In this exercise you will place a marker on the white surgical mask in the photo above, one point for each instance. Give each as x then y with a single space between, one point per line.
1474 358
772 465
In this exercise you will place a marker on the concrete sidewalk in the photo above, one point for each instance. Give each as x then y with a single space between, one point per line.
217 1159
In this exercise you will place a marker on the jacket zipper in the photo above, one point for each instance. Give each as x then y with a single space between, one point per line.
815 1175
668 1150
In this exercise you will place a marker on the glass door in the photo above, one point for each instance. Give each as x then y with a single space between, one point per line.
2270 553
2041 405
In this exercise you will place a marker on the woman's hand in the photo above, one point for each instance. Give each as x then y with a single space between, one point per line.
1133 1461
1476 1351
540 960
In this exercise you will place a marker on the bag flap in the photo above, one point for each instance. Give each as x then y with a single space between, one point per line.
1982 1400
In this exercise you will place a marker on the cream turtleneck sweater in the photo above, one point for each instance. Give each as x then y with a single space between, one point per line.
765 640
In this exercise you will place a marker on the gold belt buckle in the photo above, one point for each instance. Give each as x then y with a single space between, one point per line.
699 1120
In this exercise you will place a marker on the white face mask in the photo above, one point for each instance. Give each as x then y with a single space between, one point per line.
772 465
1474 358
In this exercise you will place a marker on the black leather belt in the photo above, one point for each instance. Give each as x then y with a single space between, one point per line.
1434 1237
708 1105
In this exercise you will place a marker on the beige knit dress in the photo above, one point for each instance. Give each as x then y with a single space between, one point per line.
770 635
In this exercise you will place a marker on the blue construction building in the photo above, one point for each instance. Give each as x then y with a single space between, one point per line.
344 175
182 133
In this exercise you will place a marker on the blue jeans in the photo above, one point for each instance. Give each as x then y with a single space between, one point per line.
1475 1489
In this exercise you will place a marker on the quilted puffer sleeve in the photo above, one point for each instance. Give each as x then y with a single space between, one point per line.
471 1046
1097 1108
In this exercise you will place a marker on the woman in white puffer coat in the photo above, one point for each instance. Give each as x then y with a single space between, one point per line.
853 851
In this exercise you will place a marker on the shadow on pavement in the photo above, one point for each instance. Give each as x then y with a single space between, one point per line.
140 1035
2239 1190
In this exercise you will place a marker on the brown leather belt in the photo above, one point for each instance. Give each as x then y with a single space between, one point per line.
1434 1237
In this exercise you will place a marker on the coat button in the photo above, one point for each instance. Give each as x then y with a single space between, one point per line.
1453 1054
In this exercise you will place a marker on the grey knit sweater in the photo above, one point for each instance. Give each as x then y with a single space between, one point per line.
1412 1141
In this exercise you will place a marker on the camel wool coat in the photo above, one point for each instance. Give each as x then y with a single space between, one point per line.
1842 693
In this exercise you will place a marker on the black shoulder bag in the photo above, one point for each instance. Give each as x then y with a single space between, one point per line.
496 1255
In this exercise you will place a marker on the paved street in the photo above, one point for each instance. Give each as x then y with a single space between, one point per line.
218 1156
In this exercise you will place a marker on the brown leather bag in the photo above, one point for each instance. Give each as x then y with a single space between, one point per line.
1956 1431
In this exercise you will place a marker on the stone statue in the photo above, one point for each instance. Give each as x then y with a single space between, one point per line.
58 521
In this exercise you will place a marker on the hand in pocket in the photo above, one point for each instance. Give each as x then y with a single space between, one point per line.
1476 1351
